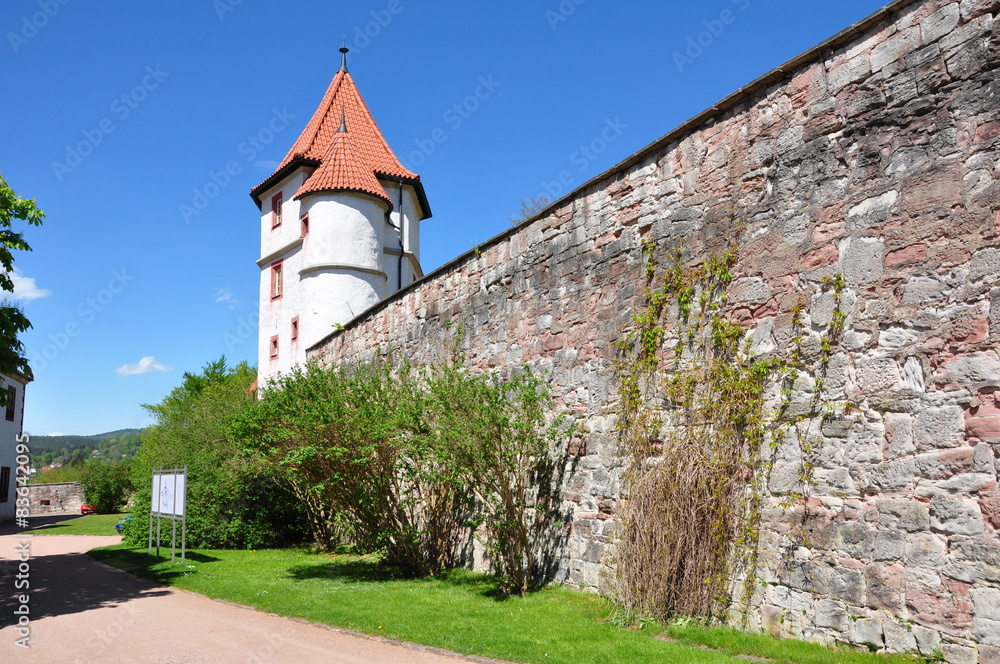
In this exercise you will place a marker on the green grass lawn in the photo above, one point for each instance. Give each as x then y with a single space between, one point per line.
91 524
457 611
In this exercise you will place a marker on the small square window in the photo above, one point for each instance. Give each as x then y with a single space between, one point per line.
295 329
276 210
274 347
276 280
304 219
11 400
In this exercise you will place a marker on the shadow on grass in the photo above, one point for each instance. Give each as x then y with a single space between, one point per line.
140 563
374 571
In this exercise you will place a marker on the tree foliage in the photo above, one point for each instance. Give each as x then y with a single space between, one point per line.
232 502
12 319
107 485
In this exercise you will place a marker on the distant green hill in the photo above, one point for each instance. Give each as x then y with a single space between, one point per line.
41 444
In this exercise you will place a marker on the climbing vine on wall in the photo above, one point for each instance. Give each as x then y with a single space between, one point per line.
698 439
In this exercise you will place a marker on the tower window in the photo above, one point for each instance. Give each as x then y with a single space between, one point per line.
276 280
274 347
11 398
275 211
295 329
304 219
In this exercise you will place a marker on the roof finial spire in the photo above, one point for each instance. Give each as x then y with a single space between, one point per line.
343 56
343 122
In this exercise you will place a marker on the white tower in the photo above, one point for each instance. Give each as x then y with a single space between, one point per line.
340 225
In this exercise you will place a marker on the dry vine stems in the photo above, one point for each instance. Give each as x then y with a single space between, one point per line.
698 440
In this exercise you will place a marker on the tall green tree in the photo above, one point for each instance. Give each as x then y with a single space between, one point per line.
12 319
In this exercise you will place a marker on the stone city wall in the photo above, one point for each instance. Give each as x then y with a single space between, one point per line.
56 497
876 157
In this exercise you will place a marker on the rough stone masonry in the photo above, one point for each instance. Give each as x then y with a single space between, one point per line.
875 156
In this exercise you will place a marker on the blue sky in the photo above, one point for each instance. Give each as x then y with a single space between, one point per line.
119 114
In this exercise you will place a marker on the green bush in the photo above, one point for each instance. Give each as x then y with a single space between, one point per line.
107 485
412 461
351 445
232 501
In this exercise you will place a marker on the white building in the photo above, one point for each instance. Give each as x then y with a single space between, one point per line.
10 428
340 226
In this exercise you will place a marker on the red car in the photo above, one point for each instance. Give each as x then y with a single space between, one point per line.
87 508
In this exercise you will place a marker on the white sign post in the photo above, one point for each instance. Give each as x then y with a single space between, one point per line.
168 502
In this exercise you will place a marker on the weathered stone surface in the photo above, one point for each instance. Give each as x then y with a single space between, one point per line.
862 260
889 545
855 540
973 369
872 211
945 463
832 615
986 631
954 515
848 585
885 586
989 655
940 23
958 654
867 631
928 640
908 515
926 549
987 602
935 428
898 638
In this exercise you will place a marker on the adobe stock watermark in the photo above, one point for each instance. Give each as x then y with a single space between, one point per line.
111 633
269 652
122 107
86 313
381 18
223 7
22 549
246 327
584 156
31 25
249 148
454 117
699 43
562 13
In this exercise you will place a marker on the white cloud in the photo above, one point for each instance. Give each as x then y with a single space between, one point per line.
26 289
226 295
57 433
266 166
147 364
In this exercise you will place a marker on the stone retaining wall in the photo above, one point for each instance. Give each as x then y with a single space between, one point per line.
875 156
55 497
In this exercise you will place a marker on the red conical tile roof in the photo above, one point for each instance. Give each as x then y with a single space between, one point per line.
343 169
369 146
322 130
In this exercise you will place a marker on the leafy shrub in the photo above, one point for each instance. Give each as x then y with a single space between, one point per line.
107 485
350 443
405 460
